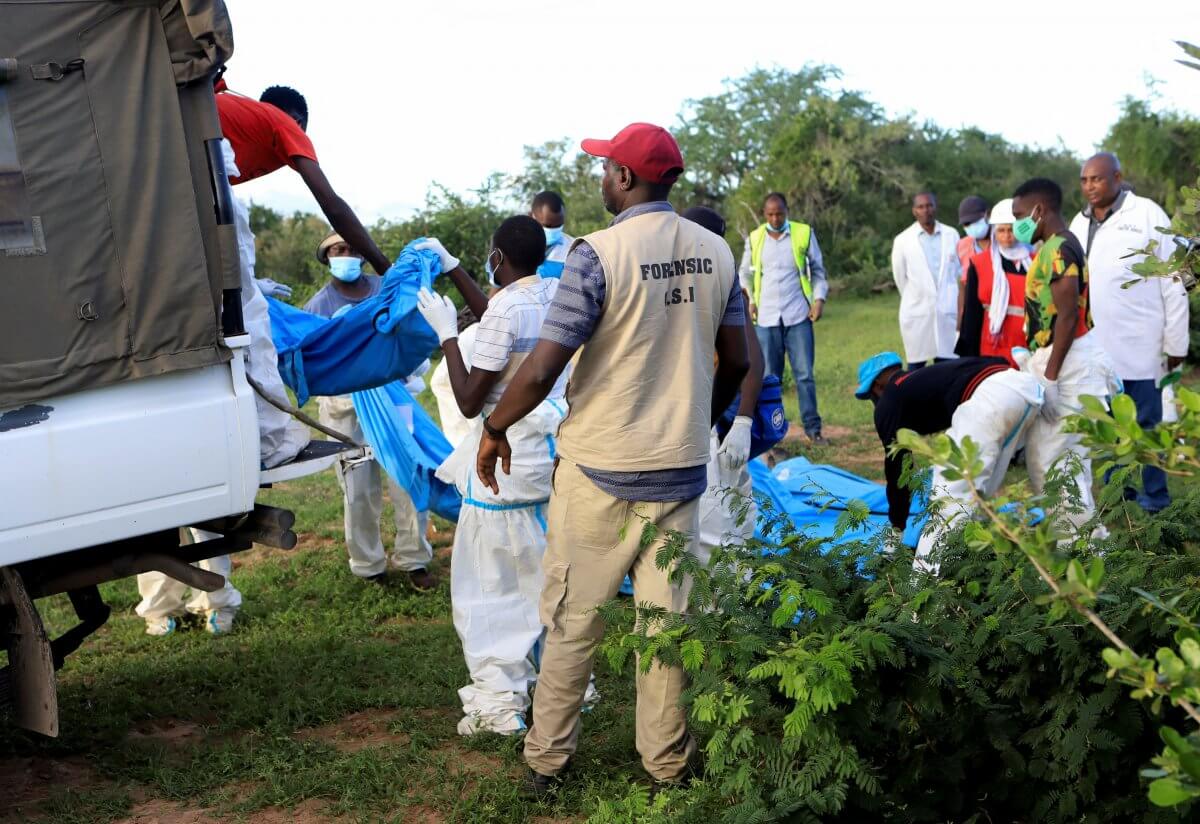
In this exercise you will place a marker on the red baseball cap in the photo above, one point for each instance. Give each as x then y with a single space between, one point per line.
647 149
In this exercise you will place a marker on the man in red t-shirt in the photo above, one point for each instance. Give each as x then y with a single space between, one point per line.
268 134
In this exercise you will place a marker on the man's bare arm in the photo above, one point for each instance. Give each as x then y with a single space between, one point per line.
339 214
752 383
732 365
1065 291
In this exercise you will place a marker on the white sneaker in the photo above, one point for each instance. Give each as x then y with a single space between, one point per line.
159 627
219 621
472 724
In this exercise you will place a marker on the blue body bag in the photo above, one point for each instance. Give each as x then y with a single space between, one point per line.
380 340
410 458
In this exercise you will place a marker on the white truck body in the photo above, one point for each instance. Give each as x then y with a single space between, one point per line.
128 459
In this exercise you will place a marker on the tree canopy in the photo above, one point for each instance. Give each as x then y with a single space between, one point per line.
846 167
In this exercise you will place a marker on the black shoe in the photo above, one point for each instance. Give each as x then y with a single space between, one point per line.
378 578
540 787
817 439
422 579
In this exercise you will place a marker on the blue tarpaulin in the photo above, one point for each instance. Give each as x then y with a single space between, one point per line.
813 496
382 339
410 458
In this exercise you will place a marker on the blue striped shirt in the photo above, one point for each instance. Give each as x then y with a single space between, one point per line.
571 322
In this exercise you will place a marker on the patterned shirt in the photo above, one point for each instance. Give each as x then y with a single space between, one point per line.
572 320
1060 257
508 331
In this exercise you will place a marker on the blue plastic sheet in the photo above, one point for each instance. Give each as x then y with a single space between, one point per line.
551 269
410 458
814 496
382 339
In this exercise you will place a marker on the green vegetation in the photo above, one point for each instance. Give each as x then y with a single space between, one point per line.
832 686
844 166
333 695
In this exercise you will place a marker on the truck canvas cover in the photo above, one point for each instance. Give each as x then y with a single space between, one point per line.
111 260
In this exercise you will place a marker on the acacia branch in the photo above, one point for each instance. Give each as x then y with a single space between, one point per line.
1085 611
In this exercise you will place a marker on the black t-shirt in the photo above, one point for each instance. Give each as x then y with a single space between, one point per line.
924 401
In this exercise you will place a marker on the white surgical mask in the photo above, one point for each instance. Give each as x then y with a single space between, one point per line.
346 269
487 265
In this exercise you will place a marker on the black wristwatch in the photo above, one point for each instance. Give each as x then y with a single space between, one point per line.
492 431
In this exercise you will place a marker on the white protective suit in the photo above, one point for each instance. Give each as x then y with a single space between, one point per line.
496 569
163 597
996 418
728 492
362 500
1087 370
281 436
928 300
454 426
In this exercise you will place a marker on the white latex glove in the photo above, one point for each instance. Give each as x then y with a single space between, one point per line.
273 288
449 261
439 313
1053 407
735 449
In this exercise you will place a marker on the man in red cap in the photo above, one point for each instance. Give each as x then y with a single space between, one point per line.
647 304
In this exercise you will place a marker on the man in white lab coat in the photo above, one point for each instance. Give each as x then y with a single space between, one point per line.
1143 328
926 270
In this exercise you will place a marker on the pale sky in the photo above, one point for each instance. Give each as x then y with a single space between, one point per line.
403 94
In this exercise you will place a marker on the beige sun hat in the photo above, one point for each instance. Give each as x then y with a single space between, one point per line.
330 240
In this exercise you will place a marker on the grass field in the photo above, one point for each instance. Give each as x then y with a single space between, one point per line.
334 699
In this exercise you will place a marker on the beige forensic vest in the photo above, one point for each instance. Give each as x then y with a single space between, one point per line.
641 393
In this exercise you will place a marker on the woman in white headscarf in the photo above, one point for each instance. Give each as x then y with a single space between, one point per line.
994 308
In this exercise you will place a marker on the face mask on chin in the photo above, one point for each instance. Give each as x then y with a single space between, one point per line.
346 269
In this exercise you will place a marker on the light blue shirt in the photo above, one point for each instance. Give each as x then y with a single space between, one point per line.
782 301
931 245
556 255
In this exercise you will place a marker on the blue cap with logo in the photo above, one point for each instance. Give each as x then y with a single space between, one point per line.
869 370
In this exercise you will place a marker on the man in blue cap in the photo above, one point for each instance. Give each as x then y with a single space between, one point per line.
981 398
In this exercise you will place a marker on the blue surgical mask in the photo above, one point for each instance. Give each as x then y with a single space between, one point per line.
979 229
780 228
487 266
554 235
346 269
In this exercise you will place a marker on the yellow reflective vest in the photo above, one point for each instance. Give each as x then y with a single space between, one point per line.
800 234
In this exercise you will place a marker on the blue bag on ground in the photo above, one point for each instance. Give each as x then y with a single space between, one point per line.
382 339
410 458
769 424
814 496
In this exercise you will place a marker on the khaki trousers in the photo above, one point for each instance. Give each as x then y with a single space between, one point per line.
362 492
586 559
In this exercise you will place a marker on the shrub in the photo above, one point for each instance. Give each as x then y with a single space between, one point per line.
832 683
